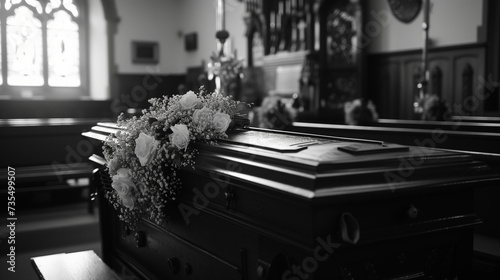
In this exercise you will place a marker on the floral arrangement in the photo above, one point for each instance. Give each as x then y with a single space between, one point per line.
360 112
229 70
144 158
226 67
274 113
434 108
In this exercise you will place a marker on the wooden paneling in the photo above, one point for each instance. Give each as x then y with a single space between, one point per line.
392 78
461 63
134 90
408 85
24 109
492 104
384 85
29 142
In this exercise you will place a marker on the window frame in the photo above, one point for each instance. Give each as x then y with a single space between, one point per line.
45 91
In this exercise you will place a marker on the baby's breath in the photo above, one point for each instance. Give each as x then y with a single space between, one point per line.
157 183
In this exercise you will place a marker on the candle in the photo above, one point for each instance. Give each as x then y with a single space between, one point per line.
221 17
426 11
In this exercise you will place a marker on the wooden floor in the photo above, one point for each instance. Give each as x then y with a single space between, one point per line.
50 230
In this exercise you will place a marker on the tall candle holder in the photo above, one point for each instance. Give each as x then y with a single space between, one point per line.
422 86
224 69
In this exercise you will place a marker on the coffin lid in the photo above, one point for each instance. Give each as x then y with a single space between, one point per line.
314 167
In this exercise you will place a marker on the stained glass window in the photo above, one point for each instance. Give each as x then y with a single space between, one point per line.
43 43
24 49
63 51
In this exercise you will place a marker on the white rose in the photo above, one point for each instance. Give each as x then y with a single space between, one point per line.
180 136
113 165
221 121
201 114
145 148
128 201
122 182
188 100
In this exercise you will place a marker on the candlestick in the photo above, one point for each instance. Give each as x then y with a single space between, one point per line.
425 28
424 76
221 15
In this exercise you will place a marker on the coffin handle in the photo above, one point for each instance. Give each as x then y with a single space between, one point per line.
349 228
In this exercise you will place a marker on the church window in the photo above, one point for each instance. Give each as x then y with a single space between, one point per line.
41 48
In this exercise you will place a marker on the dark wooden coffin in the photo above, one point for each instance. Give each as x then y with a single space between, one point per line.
278 205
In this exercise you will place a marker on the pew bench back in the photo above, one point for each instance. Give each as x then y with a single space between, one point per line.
73 266
47 154
452 125
486 142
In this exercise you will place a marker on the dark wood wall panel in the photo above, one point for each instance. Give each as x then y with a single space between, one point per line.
467 62
21 109
385 80
134 90
32 142
392 77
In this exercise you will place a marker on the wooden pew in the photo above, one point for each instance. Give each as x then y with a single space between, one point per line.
73 266
32 142
453 125
476 119
486 142
48 155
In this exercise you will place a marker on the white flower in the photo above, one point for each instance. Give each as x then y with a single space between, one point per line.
145 148
136 159
122 182
360 112
221 121
128 201
113 165
201 114
180 136
189 100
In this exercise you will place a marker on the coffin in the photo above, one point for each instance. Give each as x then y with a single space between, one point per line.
267 204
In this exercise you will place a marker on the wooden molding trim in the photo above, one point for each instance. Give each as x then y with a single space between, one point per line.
431 50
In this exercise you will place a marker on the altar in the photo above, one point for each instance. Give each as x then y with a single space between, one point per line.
267 204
